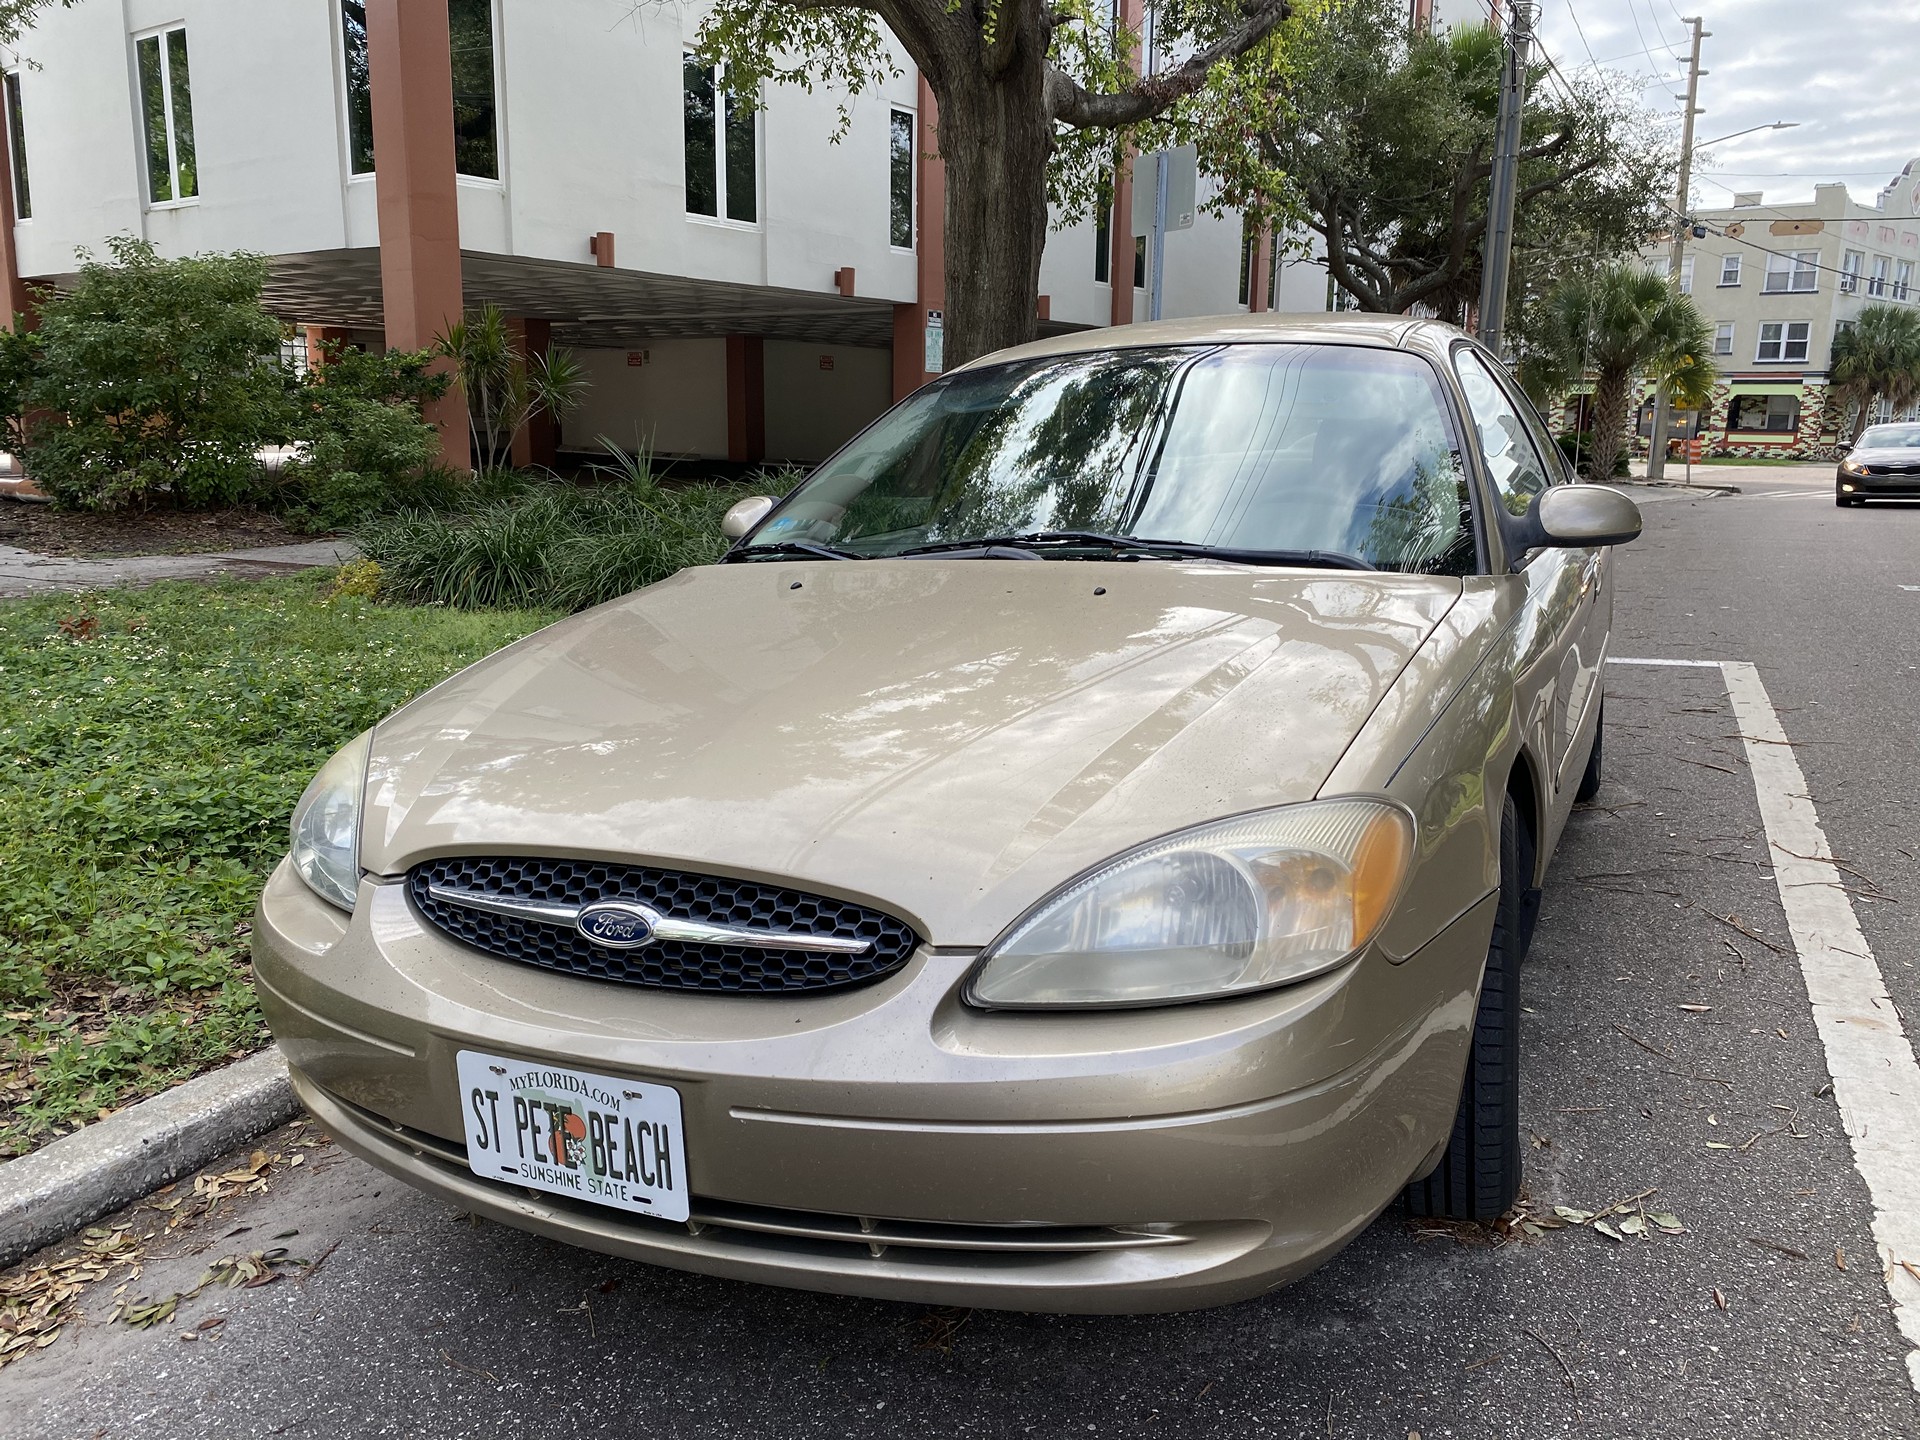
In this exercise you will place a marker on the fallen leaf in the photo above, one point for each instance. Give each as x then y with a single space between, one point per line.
1697 1009
1719 1299
1839 1258
1607 1230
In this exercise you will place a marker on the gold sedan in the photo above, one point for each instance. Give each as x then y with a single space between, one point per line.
1075 853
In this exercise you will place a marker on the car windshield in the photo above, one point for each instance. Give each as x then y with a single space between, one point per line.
1293 453
1891 437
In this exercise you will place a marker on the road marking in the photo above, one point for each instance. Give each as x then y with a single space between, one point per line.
1910 587
1876 1080
1631 660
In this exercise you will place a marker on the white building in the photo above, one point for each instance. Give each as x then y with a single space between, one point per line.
736 284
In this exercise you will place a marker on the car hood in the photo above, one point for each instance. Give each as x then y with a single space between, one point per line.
949 740
1902 455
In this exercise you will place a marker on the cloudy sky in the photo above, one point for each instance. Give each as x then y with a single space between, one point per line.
1845 69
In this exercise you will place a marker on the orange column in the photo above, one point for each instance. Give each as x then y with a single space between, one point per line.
746 399
538 443
410 63
910 322
14 294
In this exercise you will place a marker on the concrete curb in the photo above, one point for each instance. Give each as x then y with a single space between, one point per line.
72 1182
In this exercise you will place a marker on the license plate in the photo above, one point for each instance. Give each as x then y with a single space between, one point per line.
570 1132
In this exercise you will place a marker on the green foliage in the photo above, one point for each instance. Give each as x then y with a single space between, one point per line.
17 16
1383 134
1618 323
558 546
165 377
504 390
1877 358
367 449
19 363
155 742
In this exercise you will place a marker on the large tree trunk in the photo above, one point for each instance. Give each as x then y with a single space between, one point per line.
995 136
1611 392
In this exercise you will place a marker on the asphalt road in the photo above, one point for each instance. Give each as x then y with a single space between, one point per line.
1666 1050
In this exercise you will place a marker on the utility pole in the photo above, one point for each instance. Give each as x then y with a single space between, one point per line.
1662 403
1506 168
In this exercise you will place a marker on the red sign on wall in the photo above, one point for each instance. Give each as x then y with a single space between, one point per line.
639 357
826 362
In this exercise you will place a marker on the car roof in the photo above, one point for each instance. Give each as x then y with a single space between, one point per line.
1386 331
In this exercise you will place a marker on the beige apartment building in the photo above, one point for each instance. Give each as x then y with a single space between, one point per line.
1778 282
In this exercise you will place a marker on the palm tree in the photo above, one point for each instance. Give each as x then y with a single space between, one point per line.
1877 358
503 388
1619 323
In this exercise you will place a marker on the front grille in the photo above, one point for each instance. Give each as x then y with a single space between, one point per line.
1893 469
664 964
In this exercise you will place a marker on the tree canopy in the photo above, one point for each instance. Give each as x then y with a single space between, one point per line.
1037 100
1382 134
1618 323
1877 358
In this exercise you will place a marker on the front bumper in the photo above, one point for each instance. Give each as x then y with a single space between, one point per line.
1873 487
890 1142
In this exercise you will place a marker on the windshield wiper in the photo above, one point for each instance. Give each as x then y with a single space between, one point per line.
1168 549
795 549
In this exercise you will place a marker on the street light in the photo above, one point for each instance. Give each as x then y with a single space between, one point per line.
1776 125
1657 437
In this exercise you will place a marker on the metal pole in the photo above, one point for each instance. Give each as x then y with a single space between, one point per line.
1662 407
1159 240
1506 165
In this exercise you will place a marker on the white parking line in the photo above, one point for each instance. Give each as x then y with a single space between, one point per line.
1876 1080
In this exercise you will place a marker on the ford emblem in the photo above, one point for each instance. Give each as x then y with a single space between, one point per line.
617 924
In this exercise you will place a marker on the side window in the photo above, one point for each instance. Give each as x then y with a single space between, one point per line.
1513 463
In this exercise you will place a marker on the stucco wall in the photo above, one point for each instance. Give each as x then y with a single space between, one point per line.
674 404
812 410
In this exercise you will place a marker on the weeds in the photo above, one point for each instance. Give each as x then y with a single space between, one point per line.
154 743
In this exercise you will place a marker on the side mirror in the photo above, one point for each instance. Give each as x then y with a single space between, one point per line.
1842 450
744 515
1577 517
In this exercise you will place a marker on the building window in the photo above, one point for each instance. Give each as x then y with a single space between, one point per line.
900 182
1902 279
1686 276
166 104
17 148
476 133
721 162
1139 262
1784 340
1778 414
1723 338
353 43
1729 269
1797 271
1851 264
1249 247
1877 282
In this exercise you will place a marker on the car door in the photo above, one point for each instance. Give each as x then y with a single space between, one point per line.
1548 669
1581 666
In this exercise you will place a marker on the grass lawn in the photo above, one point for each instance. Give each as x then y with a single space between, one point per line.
155 742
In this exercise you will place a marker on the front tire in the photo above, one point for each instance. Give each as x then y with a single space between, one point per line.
1478 1177
1590 777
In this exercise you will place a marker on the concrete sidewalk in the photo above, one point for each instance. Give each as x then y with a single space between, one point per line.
24 573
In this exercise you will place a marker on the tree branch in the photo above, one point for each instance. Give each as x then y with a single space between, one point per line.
1073 104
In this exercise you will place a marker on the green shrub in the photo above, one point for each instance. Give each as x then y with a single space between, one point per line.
160 378
557 546
367 449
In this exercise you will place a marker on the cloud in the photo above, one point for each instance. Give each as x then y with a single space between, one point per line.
1840 69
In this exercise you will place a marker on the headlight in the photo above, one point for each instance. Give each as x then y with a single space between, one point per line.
326 825
1233 906
1854 467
